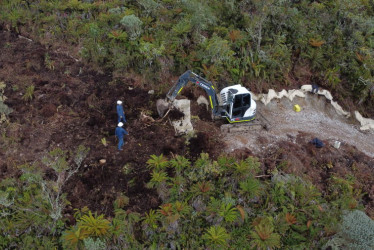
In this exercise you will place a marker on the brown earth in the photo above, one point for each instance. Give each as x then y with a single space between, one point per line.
74 105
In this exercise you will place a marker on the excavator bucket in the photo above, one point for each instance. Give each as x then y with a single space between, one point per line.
162 107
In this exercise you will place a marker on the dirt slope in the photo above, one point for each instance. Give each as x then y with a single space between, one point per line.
73 105
317 118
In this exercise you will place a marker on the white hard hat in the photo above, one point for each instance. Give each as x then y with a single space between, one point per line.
120 124
119 102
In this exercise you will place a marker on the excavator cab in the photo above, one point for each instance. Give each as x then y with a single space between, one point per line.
238 104
234 102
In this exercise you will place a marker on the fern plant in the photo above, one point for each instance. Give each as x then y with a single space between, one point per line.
228 213
264 237
158 181
179 163
216 236
151 219
203 188
250 188
95 226
157 162
29 93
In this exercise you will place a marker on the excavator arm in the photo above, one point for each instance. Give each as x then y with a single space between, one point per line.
190 76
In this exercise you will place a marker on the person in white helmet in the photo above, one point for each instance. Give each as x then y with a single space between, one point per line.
120 112
120 132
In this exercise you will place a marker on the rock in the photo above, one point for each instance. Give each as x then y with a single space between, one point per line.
151 92
184 125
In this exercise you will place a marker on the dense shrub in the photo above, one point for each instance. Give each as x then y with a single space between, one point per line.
244 41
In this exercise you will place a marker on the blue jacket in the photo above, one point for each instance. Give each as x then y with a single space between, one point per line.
120 110
120 132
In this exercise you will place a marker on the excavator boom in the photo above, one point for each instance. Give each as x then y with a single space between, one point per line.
235 104
190 76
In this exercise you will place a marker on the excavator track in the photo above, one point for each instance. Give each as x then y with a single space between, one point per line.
259 123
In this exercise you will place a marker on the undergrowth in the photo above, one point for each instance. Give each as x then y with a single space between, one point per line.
257 43
205 204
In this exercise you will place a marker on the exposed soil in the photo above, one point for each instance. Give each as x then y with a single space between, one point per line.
287 143
175 114
74 105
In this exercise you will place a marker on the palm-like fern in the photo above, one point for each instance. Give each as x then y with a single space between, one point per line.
181 208
251 187
158 162
151 219
216 236
158 181
158 178
202 188
263 236
241 167
228 212
73 238
226 162
179 163
94 225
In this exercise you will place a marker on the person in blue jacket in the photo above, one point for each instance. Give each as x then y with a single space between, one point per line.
120 132
120 112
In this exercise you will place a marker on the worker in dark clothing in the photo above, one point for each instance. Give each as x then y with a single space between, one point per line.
120 112
120 132
315 88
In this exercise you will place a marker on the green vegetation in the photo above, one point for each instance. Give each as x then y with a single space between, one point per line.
29 93
203 204
32 205
261 42
214 204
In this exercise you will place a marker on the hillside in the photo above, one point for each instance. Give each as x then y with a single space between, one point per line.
63 66
66 110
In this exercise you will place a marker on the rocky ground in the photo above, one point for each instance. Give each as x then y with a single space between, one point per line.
74 105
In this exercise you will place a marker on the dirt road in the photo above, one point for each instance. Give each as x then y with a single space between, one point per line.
316 119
